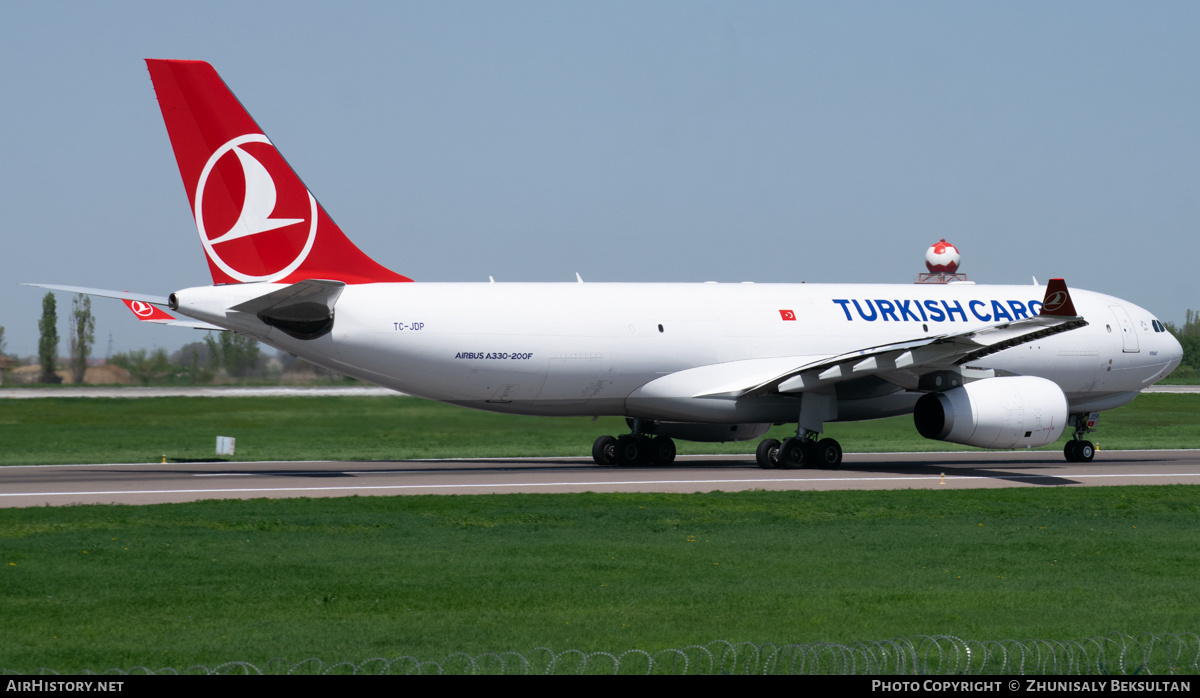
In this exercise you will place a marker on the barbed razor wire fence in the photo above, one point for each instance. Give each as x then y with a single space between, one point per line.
1116 654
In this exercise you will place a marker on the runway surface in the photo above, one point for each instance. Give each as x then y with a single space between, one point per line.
23 486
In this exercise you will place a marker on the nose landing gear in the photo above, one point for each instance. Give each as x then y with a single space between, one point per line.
1078 449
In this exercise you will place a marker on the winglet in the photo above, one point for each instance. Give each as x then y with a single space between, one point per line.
1058 300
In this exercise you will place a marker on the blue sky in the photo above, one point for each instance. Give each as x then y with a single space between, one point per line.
664 141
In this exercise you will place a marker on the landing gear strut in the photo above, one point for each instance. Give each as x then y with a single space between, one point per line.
637 448
1078 449
806 449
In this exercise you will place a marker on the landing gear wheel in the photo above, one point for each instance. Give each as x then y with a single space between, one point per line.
1079 451
661 451
795 453
604 450
629 450
829 453
767 454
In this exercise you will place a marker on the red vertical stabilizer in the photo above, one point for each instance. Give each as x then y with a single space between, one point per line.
257 221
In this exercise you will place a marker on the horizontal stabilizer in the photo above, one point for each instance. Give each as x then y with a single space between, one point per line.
140 304
105 293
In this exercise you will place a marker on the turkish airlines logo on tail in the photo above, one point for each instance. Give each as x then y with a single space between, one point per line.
256 220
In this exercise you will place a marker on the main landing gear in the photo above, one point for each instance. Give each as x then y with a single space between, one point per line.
634 449
1078 449
803 451
806 449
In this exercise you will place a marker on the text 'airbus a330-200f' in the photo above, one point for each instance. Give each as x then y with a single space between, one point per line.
1000 367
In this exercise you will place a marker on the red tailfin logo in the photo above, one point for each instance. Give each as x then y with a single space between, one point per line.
257 220
249 228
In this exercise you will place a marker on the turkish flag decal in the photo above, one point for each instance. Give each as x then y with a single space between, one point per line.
787 315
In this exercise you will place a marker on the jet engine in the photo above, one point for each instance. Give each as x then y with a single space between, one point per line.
1009 412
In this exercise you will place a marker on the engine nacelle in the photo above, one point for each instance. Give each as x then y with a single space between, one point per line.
1010 412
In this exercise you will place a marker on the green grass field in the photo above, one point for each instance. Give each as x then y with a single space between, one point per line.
96 587
94 430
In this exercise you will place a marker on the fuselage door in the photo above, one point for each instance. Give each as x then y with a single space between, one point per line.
1129 340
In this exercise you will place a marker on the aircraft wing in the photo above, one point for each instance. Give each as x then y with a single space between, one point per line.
904 362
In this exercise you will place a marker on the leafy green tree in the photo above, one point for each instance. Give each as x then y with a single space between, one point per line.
236 353
190 362
143 367
5 367
82 334
48 343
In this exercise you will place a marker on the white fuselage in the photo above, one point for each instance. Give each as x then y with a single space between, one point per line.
681 352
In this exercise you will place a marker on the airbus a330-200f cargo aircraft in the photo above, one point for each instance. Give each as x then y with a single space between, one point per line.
999 367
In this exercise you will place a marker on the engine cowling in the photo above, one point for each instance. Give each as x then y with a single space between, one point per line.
1010 412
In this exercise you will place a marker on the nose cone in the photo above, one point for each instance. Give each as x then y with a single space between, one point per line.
1172 350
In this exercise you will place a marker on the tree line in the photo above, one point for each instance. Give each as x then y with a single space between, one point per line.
1189 338
81 337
